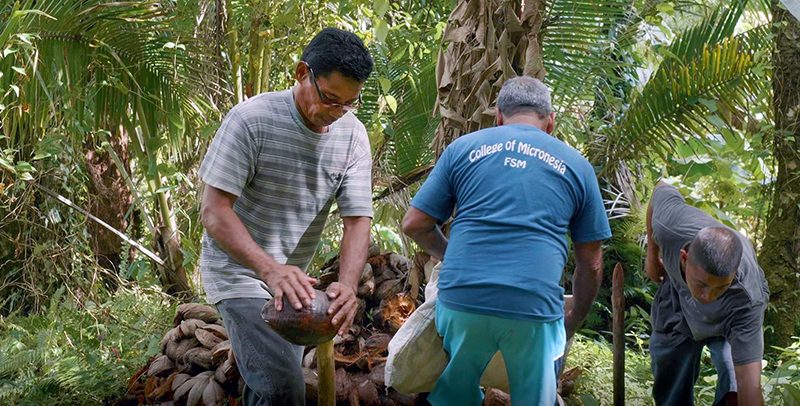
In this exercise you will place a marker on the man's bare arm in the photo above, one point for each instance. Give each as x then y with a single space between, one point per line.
652 264
355 244
585 283
227 229
423 229
748 383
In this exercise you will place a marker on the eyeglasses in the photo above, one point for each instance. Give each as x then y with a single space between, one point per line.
327 100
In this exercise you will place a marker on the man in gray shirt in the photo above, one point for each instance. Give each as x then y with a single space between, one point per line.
713 293
271 174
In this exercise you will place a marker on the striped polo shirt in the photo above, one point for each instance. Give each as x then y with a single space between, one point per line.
285 177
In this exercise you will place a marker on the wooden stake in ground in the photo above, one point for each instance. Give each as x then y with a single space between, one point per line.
325 372
618 311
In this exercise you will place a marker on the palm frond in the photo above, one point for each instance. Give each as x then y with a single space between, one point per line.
577 36
706 66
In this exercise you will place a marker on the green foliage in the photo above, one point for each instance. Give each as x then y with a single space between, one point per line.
80 353
594 386
780 380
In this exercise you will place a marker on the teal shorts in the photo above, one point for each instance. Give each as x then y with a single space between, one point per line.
529 349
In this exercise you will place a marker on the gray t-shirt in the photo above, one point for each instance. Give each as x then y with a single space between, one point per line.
285 177
737 315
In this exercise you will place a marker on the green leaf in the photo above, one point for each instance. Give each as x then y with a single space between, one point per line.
9 51
717 121
381 7
666 8
15 88
5 163
381 30
386 84
391 102
792 395
23 166
19 70
711 104
169 45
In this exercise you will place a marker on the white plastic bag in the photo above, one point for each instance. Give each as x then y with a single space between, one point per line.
416 353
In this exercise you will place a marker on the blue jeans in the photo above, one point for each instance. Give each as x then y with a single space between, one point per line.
270 366
676 368
529 350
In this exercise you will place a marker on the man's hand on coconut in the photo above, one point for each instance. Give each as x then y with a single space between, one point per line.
343 306
292 282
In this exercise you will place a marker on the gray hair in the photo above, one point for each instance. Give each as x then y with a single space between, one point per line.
524 94
717 250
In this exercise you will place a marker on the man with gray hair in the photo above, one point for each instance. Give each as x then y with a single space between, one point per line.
517 192
712 293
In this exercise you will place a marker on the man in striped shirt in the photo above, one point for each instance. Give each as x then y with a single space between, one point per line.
271 174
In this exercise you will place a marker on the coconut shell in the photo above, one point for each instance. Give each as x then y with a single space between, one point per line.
207 338
217 330
203 312
212 394
178 355
161 366
226 372
173 335
220 352
399 263
366 288
310 325
180 379
388 288
183 389
199 356
377 374
343 384
368 393
188 327
196 393
197 385
377 343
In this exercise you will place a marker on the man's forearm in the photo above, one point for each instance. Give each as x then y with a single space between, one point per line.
585 285
652 263
432 241
355 245
748 383
230 233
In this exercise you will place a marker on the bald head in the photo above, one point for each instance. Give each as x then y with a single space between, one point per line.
717 250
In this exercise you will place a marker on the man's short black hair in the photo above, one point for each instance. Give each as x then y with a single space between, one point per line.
335 50
717 250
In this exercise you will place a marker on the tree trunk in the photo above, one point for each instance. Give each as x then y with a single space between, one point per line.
109 199
167 239
486 43
780 254
233 51
254 60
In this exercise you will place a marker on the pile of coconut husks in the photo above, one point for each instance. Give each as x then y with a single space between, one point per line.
197 367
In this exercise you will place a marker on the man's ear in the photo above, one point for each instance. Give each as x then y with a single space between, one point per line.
551 123
300 71
498 117
684 256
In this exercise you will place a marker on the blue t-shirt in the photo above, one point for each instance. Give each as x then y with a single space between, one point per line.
518 191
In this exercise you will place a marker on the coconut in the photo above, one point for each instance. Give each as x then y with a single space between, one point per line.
310 325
